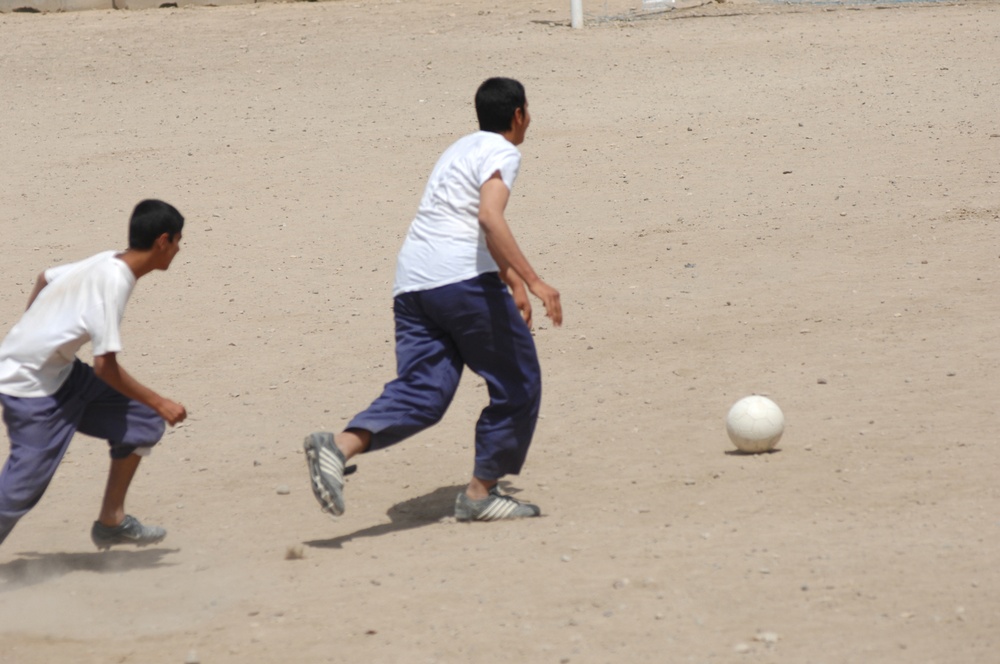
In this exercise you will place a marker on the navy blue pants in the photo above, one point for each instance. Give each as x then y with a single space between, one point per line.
473 323
40 429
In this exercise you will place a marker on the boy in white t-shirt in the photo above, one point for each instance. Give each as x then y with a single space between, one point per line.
48 394
453 309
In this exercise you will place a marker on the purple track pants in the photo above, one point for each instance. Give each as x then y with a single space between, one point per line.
40 429
473 323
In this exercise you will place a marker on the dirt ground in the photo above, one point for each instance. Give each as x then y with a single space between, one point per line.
733 198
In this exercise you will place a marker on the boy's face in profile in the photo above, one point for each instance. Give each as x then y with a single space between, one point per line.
519 125
166 249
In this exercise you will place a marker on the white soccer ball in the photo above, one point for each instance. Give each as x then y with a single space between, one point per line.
755 424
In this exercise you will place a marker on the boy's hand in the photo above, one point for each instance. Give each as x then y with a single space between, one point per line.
550 298
172 412
520 296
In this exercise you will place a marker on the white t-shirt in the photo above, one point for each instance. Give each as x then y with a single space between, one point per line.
83 301
445 243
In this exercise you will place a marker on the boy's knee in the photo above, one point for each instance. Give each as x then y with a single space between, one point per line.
140 437
146 432
119 451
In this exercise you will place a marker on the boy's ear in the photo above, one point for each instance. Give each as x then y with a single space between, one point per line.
163 241
515 119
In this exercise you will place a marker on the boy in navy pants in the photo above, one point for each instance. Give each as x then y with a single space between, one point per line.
460 299
48 394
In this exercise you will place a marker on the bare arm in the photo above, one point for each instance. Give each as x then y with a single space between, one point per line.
505 251
40 283
107 369
516 284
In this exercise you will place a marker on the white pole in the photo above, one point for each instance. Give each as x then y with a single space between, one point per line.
576 13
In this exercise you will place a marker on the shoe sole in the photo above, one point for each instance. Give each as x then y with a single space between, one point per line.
331 503
107 547
106 544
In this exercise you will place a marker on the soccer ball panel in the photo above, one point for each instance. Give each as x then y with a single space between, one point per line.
755 424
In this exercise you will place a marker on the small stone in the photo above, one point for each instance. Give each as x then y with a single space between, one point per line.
621 583
741 648
192 658
283 490
766 637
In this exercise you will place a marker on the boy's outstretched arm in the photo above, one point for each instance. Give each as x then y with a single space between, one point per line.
505 251
107 369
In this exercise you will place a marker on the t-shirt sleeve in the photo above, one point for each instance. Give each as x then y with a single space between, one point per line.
506 160
104 320
53 273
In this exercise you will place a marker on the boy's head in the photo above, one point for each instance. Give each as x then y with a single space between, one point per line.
497 100
150 220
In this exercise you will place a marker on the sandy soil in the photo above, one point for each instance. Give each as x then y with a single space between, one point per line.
733 198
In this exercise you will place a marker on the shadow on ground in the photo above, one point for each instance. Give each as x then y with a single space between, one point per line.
32 567
413 513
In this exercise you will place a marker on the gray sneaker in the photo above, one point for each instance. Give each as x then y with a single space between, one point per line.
493 507
129 531
326 470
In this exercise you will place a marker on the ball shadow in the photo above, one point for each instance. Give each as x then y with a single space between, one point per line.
741 453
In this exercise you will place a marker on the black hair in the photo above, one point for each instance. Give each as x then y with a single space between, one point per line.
150 220
496 101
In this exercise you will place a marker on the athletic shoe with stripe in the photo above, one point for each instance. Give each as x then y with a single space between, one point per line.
326 471
493 507
129 531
